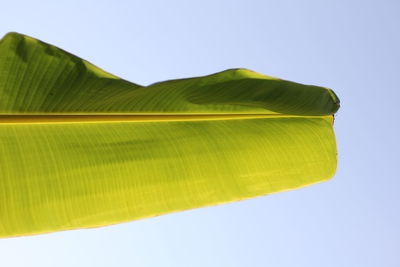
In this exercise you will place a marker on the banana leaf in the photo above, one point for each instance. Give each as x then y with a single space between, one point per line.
82 148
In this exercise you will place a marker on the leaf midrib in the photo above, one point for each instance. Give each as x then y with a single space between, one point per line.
79 118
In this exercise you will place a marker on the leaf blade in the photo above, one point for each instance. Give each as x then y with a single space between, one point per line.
118 172
80 147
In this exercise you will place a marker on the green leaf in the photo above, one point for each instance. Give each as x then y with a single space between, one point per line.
80 147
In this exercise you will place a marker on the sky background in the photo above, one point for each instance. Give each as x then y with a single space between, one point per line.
350 46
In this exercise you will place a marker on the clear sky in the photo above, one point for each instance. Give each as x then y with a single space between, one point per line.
350 46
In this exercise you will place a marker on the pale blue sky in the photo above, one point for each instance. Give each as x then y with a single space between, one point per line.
350 46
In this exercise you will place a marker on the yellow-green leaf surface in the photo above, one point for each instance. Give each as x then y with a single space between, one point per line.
81 148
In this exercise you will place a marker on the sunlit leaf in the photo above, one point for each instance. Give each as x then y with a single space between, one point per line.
81 148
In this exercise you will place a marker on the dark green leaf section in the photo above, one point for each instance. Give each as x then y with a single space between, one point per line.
36 77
